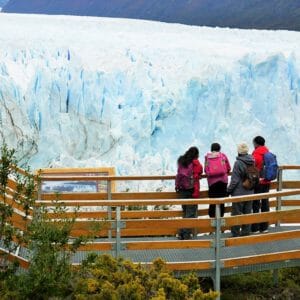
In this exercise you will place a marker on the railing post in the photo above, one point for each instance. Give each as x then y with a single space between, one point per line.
217 281
17 251
109 214
118 231
39 191
37 209
279 188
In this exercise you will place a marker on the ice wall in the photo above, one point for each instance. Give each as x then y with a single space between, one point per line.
77 91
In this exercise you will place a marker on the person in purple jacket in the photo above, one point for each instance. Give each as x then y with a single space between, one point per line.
217 168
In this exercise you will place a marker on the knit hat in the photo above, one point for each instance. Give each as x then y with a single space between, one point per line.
242 148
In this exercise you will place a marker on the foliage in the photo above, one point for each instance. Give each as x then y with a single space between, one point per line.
48 241
107 278
260 285
7 173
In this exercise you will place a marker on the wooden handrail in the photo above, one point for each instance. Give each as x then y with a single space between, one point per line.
262 238
105 178
172 201
150 214
15 205
48 177
115 196
187 266
261 258
271 217
24 263
147 245
289 167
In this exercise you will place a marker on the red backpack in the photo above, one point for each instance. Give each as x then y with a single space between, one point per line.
215 164
184 178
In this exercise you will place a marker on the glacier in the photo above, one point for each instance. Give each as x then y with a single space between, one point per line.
88 92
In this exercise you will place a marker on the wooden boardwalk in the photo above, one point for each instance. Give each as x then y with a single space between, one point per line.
129 229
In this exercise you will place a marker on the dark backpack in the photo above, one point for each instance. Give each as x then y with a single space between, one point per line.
184 178
251 177
270 167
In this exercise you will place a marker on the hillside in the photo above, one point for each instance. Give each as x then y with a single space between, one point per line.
260 14
3 2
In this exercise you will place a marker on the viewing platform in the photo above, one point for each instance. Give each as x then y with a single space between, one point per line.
141 226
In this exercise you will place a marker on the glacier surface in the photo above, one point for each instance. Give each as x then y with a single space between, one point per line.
82 91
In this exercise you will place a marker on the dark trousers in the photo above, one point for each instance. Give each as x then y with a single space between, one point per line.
261 205
189 211
217 190
241 208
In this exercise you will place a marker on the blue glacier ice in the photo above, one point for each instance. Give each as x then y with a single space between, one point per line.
81 91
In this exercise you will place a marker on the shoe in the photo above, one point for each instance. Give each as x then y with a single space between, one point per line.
235 235
245 233
265 231
255 232
185 236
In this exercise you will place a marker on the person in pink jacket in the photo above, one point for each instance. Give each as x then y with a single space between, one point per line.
217 168
187 184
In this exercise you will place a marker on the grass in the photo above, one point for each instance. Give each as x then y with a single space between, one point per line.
259 285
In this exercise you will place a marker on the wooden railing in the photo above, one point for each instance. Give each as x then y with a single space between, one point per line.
119 223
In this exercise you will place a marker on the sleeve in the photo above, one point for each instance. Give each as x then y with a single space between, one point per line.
205 165
258 159
177 182
197 171
227 164
235 178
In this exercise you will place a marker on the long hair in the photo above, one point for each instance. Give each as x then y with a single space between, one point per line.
191 154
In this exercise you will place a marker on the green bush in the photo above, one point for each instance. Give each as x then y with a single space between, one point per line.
260 285
105 277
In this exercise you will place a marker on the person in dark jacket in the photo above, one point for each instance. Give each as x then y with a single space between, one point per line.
236 188
264 185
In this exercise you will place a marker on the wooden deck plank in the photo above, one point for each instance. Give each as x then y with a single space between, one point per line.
262 238
262 258
186 244
287 216
145 202
12 257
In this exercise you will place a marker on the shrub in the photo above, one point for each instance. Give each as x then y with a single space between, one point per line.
121 279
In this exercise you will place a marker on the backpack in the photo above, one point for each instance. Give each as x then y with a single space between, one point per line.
215 164
270 167
184 177
251 177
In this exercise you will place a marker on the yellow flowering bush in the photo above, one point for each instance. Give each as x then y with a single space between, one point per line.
107 278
